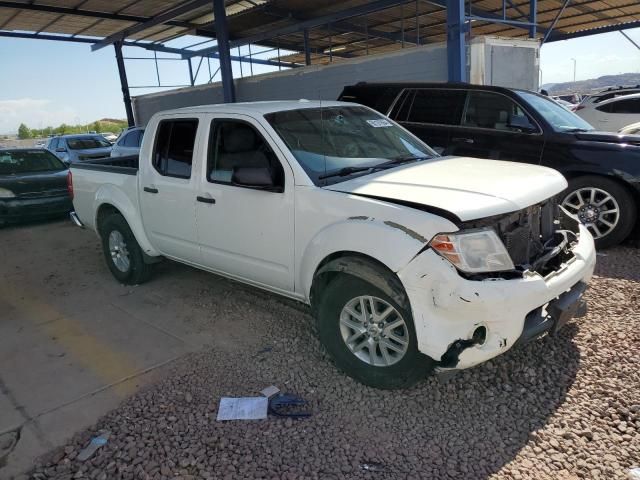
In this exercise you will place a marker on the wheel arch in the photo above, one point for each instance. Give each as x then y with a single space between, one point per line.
109 199
358 265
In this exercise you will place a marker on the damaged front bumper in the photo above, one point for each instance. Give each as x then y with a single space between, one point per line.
461 323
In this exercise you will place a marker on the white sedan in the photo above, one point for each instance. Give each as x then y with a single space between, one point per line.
613 114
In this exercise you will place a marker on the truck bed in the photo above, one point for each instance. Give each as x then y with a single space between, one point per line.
126 165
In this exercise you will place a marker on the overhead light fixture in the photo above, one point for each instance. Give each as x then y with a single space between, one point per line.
335 49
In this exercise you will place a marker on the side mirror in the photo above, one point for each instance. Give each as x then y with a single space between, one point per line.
256 177
522 123
61 149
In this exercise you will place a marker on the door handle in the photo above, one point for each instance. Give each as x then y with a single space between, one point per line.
462 140
151 189
205 199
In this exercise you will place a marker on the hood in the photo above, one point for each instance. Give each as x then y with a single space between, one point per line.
608 137
469 188
27 184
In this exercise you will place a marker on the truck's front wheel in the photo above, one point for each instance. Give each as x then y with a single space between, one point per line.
369 336
124 256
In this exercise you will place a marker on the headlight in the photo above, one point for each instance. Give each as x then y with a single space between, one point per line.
4 193
473 251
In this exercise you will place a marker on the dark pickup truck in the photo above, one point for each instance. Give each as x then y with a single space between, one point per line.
602 168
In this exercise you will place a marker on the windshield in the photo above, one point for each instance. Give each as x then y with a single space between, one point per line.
561 119
346 140
87 143
14 162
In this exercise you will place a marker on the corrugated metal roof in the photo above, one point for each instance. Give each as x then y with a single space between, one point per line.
405 23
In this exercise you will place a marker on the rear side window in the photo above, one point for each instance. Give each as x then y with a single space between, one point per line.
401 108
629 105
54 144
438 106
128 140
173 152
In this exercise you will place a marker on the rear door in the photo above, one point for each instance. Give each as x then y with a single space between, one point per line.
243 231
429 113
167 186
486 130
616 114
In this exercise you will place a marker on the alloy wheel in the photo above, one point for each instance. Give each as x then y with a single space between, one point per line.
119 252
374 331
597 209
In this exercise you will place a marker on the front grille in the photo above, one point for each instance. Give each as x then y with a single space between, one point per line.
531 233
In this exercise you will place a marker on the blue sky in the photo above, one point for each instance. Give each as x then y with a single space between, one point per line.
47 83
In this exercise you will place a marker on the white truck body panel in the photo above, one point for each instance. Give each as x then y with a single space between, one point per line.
277 241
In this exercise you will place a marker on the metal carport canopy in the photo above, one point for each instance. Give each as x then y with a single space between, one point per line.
320 30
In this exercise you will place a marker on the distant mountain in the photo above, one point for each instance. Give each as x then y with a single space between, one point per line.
594 84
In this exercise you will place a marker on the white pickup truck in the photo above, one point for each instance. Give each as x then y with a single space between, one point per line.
410 261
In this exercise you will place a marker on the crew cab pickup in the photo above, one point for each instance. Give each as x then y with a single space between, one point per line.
410 261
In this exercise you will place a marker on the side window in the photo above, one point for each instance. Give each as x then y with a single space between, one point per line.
443 107
54 144
401 108
494 111
132 139
629 105
234 145
173 152
139 139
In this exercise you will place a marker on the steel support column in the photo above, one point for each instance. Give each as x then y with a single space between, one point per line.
533 18
456 45
307 52
222 36
124 83
191 77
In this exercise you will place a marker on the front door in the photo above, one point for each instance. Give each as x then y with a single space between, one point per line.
167 189
493 126
246 232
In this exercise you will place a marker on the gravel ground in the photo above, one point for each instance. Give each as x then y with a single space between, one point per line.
559 408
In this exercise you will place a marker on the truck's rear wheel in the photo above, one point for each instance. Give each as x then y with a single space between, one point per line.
124 256
369 336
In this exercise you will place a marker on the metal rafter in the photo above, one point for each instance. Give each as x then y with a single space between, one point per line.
157 20
370 7
88 13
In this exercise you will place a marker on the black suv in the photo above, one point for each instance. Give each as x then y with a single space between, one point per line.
603 169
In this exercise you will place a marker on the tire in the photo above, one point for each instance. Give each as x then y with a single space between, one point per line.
615 196
406 369
118 238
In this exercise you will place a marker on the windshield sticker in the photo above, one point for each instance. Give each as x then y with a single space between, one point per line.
379 123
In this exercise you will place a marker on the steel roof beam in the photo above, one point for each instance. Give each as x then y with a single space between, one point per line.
157 20
147 46
364 9
89 13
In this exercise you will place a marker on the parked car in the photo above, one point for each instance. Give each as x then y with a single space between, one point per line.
109 136
392 246
78 148
633 129
613 114
33 185
608 94
128 143
603 169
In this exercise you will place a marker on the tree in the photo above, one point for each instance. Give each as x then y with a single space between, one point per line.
23 132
